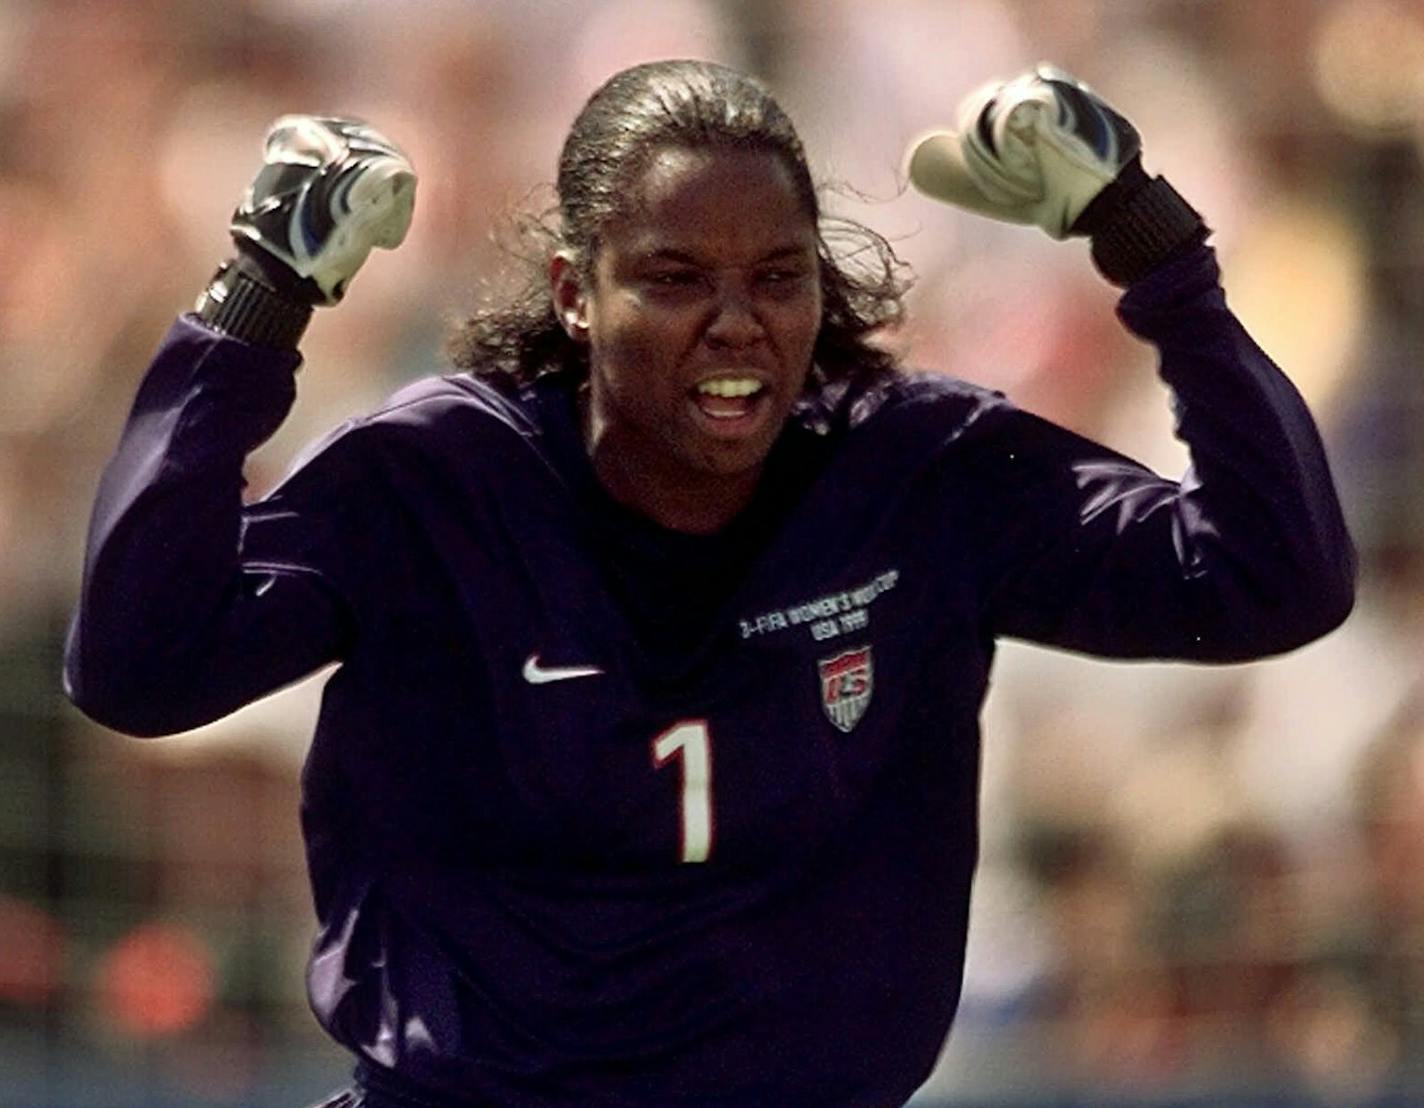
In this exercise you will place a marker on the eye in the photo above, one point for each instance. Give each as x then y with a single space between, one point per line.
675 278
782 278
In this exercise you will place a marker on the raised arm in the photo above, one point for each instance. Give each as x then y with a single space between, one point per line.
192 605
1248 555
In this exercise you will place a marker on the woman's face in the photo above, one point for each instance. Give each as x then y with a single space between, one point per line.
701 311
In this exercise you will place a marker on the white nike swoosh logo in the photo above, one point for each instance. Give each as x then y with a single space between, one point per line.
537 674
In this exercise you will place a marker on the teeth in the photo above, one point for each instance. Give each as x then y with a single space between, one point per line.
729 386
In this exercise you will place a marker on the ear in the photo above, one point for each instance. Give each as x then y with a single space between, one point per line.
566 287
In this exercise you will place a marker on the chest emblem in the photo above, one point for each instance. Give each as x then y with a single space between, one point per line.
847 680
536 673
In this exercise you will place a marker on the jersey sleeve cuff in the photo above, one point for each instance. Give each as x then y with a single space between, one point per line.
215 394
1171 293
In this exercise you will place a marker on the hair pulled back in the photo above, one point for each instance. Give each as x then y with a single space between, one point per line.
631 117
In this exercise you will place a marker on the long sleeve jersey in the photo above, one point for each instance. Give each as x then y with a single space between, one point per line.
598 814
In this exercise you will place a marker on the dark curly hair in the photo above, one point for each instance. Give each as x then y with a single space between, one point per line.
637 112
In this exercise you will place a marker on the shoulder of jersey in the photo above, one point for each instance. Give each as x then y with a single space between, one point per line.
927 386
418 417
910 398
457 396
434 407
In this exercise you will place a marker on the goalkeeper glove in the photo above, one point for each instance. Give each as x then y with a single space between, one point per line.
1045 149
329 191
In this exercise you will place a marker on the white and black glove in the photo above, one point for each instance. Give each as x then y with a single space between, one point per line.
1045 149
329 190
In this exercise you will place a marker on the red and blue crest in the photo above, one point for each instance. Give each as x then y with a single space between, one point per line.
847 680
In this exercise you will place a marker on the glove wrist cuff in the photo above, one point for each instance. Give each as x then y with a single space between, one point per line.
1146 229
238 305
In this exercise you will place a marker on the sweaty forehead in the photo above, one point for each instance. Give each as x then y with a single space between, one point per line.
721 198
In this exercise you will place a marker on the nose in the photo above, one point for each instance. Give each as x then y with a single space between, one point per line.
734 319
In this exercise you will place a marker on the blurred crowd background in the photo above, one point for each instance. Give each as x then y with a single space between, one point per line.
1198 885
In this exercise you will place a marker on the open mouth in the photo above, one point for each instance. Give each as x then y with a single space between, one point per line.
729 399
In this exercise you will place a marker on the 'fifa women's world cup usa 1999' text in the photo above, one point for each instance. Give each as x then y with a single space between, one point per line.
827 616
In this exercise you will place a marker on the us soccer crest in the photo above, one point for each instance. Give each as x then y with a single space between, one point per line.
847 680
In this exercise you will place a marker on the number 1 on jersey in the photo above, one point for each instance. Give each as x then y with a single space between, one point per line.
693 742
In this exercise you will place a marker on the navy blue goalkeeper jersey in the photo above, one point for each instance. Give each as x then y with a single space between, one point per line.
599 814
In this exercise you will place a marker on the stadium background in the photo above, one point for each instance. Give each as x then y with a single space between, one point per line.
1200 886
